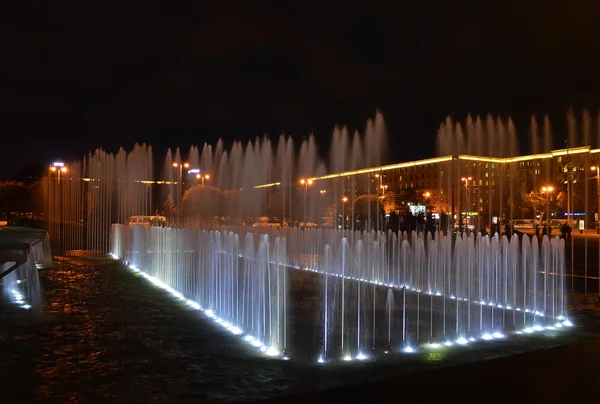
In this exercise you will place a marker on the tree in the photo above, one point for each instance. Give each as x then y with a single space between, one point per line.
365 206
202 203
389 204
18 197
536 200
169 208
362 205
562 203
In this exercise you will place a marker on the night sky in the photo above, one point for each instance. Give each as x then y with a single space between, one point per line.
77 76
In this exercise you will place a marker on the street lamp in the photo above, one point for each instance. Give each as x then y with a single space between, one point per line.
383 189
58 167
597 169
181 167
466 181
202 177
547 191
381 186
306 183
344 200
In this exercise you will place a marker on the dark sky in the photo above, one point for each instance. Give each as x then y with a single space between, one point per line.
78 76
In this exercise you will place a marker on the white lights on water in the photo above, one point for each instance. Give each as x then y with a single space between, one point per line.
528 330
408 349
558 325
270 351
462 341
321 360
361 356
448 343
498 335
235 331
347 358
538 328
434 345
567 323
487 337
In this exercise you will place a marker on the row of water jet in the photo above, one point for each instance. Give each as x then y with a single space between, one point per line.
436 290
495 136
262 161
243 282
83 198
379 292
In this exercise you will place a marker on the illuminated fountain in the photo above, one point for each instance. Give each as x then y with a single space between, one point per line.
350 291
326 300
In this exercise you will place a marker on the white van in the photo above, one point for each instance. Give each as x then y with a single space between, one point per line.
148 221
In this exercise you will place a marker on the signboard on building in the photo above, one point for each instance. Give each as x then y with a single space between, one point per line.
416 209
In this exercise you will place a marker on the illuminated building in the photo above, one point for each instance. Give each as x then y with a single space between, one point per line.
480 186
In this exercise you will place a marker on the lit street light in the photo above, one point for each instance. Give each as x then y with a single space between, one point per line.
466 181
597 169
181 167
58 167
202 177
344 200
306 183
547 191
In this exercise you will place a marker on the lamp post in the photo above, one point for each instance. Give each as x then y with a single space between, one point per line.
202 178
181 167
59 167
547 190
199 175
344 200
380 177
426 196
466 181
597 169
306 183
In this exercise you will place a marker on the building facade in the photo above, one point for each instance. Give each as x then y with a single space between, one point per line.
480 190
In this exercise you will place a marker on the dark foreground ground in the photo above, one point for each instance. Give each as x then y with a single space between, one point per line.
106 335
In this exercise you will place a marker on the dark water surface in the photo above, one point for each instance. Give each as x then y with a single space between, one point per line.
107 335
